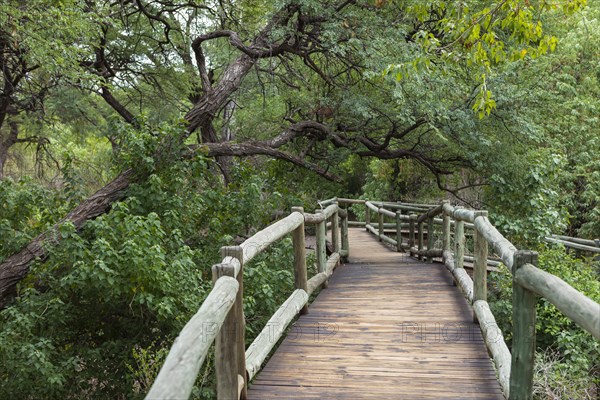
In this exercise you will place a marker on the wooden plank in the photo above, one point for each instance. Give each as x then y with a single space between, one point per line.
387 327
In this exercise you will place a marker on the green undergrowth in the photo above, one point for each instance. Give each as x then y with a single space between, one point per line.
568 358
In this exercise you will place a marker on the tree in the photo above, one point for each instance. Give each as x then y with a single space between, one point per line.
333 43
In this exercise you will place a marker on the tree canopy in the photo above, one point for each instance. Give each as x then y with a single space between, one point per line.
172 118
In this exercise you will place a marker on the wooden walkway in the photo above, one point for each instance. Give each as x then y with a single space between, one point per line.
388 327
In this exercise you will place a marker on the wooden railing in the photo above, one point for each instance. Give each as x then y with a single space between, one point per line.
221 319
515 370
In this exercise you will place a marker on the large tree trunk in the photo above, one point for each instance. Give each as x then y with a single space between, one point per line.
16 267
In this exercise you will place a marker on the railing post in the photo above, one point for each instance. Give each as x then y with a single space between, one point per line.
321 246
335 229
411 233
380 219
230 346
430 239
398 231
420 241
480 255
300 273
445 231
345 240
459 243
367 216
523 346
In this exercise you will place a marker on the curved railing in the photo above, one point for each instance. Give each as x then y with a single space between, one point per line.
220 318
515 370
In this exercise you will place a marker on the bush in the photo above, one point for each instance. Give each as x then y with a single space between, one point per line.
574 351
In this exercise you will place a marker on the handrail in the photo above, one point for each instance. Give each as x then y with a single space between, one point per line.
222 311
515 371
263 239
573 244
178 374
221 318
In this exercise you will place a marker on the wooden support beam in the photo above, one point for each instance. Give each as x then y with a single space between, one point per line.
459 243
230 346
345 240
420 240
523 347
300 272
411 233
480 255
321 247
445 228
380 230
335 231
430 238
272 332
398 231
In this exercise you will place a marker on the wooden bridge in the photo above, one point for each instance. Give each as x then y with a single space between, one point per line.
389 324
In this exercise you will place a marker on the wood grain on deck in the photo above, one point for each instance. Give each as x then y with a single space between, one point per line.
388 327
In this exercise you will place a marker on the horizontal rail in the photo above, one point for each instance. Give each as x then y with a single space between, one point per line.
463 280
316 281
387 212
372 206
572 303
320 216
180 370
504 249
430 214
573 245
325 203
342 200
265 238
267 339
587 242
494 340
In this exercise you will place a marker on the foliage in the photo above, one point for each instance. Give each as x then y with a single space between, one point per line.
577 349
26 209
553 381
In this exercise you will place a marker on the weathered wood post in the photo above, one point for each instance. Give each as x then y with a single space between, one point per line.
230 346
420 241
299 242
459 242
321 246
411 233
345 239
480 255
398 231
523 346
367 216
380 217
445 231
430 239
335 229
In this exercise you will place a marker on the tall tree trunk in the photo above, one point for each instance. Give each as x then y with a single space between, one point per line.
227 135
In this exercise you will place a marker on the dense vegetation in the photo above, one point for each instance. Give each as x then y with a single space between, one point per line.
197 119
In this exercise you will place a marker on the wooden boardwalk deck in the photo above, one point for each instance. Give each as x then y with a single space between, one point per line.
388 327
